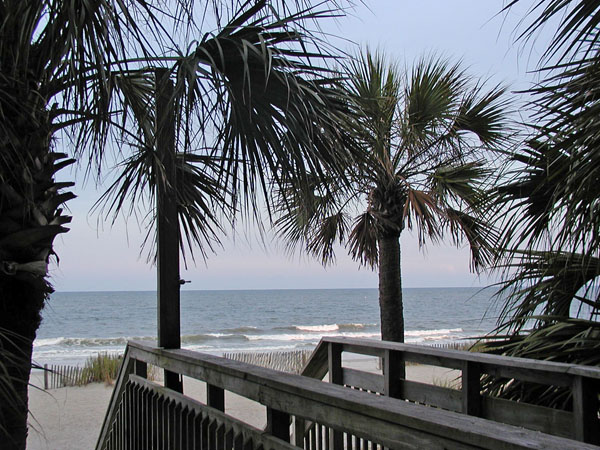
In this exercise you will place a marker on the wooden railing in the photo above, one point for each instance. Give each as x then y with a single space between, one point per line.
143 414
581 423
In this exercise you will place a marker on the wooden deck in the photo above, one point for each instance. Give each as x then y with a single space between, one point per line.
581 423
306 412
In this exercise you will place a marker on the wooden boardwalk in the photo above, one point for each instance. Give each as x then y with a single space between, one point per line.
305 412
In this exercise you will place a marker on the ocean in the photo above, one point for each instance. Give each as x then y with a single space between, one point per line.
77 325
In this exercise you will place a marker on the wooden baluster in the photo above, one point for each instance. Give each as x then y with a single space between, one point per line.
238 442
197 432
394 374
215 397
205 432
336 376
278 424
299 429
585 410
141 369
212 435
471 388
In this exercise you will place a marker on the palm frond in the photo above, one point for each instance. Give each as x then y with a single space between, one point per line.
330 230
362 241
459 182
421 212
277 113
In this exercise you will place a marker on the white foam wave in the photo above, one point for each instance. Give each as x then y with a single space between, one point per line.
307 337
330 327
49 341
432 332
317 328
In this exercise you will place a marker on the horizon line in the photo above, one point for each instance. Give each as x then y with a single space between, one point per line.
275 289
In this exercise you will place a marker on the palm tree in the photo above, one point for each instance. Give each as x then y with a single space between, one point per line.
548 208
254 97
424 136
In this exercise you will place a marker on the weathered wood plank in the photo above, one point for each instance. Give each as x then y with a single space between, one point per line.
429 394
359 347
448 356
336 406
540 418
317 365
361 379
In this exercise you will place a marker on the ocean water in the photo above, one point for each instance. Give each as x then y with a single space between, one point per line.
77 325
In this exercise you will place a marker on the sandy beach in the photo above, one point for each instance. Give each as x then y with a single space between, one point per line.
70 418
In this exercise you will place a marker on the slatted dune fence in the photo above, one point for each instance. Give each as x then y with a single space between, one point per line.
294 361
58 376
284 361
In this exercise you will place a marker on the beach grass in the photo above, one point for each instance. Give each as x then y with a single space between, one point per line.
102 367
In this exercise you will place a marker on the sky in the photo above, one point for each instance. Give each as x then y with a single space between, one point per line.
97 256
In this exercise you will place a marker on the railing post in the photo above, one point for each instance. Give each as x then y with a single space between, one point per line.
299 430
215 397
141 369
169 335
394 373
471 388
585 410
45 376
278 424
336 376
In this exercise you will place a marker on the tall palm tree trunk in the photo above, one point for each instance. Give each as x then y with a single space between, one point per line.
20 306
30 218
390 287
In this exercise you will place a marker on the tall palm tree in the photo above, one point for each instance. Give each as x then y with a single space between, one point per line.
424 136
548 207
254 97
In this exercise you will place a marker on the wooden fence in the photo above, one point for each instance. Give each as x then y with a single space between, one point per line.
285 361
57 376
144 414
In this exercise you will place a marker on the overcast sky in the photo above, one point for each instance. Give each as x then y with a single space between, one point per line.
101 257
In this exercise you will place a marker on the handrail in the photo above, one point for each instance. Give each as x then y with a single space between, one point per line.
584 382
506 366
386 421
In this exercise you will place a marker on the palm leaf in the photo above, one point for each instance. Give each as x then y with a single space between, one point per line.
362 242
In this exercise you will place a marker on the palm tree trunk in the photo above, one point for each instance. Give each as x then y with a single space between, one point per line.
390 288
30 219
20 305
